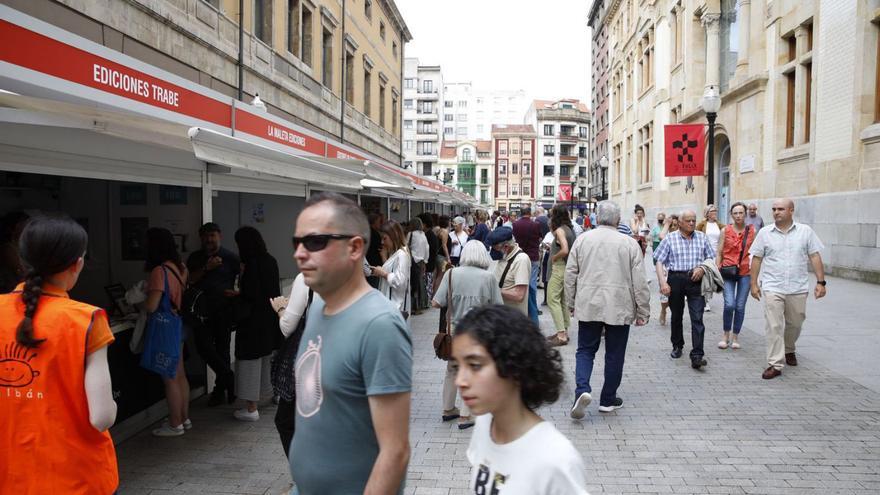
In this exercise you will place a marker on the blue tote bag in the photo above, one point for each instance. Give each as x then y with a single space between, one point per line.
163 335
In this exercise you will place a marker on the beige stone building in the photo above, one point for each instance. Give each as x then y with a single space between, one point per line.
798 82
303 57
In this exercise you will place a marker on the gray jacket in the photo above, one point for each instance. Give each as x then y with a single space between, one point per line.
605 278
712 281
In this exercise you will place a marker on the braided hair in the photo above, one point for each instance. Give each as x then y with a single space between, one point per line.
48 245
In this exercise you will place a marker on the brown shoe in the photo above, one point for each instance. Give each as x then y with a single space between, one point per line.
555 341
790 359
770 373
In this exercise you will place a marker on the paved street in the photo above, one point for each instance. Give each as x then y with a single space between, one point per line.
814 430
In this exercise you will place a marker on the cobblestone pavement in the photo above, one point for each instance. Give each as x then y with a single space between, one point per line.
721 430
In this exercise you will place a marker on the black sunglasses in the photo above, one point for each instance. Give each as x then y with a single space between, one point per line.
317 242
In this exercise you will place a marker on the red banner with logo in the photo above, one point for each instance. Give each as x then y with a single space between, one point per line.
564 193
685 149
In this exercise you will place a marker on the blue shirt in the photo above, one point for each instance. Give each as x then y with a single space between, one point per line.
679 254
624 229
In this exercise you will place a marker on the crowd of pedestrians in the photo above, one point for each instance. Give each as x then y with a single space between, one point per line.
336 353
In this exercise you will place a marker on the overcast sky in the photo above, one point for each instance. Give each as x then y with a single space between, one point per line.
541 47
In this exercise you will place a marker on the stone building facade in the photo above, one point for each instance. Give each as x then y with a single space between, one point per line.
514 147
292 55
422 115
599 99
799 113
470 166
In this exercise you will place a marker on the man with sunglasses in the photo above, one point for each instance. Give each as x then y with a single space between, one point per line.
780 255
354 365
679 257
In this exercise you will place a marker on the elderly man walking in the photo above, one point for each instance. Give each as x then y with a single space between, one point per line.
780 255
606 286
513 270
681 253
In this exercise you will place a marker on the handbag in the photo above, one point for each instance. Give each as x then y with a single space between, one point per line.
443 340
282 372
162 344
731 272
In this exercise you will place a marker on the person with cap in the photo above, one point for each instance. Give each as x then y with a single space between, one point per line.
213 270
457 239
513 270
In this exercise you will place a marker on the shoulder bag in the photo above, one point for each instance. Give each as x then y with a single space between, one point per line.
162 344
283 366
443 340
507 268
731 272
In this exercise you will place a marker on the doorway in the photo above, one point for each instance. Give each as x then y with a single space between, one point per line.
723 183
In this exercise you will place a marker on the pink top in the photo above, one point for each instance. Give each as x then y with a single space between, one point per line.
175 289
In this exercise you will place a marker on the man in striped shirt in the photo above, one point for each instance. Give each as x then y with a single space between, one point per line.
682 252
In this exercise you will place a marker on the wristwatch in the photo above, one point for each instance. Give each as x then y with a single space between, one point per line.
823 283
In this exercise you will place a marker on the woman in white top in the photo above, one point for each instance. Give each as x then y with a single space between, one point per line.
418 246
506 370
394 273
457 239
712 228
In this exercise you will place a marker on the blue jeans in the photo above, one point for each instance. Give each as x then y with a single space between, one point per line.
589 337
736 293
533 292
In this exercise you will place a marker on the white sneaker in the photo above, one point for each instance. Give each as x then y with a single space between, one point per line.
578 411
617 404
244 415
722 344
168 431
187 425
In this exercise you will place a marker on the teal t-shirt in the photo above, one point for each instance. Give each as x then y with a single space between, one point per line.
342 360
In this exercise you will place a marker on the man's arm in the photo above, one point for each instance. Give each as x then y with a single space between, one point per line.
515 294
819 270
754 271
390 415
661 279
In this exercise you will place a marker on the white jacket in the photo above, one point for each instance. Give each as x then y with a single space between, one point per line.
396 285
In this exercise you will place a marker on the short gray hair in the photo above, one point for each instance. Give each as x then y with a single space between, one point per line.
474 254
608 213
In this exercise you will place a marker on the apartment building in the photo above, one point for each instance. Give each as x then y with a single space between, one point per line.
799 111
469 112
563 141
514 149
422 114
600 102
468 166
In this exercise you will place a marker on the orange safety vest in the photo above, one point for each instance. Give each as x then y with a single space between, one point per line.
47 444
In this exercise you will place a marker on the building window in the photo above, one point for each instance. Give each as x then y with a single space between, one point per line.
502 167
514 189
427 86
425 148
382 30
527 148
408 145
548 130
502 148
527 167
306 55
791 44
808 98
394 49
368 101
368 9
549 150
426 169
349 78
408 104
646 60
448 131
549 170
582 152
461 131
548 191
448 104
409 83
514 168
448 117
502 188
617 167
462 104
462 117
466 155
480 128
382 106
789 109
627 165
526 188
629 80
408 124
394 112
327 58
293 28
484 176
263 20
564 172
644 155
582 132
678 28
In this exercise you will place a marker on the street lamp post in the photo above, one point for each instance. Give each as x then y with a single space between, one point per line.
603 164
711 104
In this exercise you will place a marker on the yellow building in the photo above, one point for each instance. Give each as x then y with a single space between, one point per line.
798 87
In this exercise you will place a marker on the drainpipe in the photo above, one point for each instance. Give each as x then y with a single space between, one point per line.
240 48
342 93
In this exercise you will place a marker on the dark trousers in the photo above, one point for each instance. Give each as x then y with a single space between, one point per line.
212 341
683 287
589 338
284 423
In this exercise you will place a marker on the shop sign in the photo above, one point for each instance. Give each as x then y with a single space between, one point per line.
269 129
564 192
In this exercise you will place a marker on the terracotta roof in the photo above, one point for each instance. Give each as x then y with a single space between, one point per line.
484 146
540 104
513 129
447 150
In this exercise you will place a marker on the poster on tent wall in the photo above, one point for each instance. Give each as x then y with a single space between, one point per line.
685 149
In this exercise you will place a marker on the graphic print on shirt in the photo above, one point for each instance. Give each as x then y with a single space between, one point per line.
309 394
15 367
484 476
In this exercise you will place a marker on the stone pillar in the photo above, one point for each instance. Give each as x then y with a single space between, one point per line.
742 56
712 25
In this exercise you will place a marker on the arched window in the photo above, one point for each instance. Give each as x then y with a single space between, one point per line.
466 155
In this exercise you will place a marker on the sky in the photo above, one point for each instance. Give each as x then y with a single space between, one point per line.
541 47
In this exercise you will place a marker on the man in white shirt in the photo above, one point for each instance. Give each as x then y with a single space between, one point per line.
780 255
513 270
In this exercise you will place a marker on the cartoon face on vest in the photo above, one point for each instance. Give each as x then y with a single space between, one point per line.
15 368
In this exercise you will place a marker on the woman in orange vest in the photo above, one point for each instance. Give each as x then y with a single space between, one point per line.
56 402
